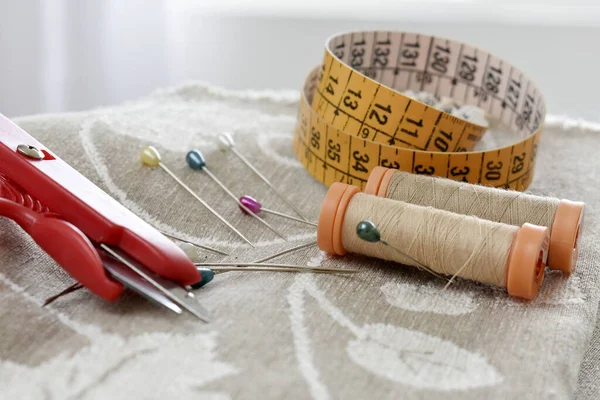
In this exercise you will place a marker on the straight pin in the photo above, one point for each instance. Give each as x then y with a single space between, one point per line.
242 267
226 143
256 207
201 246
218 269
209 271
366 230
151 157
281 253
196 161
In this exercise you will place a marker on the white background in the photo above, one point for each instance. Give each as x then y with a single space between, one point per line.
61 55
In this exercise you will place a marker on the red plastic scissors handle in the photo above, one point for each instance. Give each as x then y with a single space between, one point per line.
94 213
67 245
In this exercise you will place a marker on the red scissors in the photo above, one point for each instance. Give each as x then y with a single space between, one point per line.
93 237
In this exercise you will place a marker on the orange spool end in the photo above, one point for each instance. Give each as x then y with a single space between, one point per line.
379 181
564 238
526 261
331 220
374 181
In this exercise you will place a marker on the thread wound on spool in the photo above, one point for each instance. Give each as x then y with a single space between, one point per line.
447 243
506 206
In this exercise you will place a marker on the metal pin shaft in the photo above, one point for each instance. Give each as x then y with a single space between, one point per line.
269 184
300 247
418 264
288 266
266 210
279 269
194 243
205 204
233 196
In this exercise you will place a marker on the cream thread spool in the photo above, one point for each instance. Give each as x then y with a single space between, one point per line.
481 250
563 217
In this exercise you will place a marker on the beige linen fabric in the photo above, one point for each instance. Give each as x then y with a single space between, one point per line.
388 332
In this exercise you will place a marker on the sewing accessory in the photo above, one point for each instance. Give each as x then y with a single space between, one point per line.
563 217
287 266
209 273
353 114
447 243
196 161
95 239
226 144
256 207
281 253
366 230
208 270
151 157
201 246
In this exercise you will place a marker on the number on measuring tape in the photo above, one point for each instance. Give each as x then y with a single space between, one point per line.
353 116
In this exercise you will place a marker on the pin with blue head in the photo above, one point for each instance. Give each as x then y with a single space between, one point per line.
195 160
207 275
151 157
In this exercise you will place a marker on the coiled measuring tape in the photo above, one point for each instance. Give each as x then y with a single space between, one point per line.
353 117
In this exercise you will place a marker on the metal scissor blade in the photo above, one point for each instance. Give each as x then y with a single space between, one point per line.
170 289
132 280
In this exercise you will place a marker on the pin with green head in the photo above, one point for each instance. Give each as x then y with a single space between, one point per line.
368 231
207 275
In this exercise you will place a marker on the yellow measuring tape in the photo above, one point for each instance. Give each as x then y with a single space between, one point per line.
352 116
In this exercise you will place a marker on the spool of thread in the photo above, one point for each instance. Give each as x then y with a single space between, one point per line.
563 217
446 243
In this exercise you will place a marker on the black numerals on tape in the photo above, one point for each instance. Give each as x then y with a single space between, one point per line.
330 85
441 59
380 115
518 163
422 170
351 101
410 53
440 142
415 132
468 68
357 55
387 164
381 53
359 159
315 137
494 172
460 172
493 79
333 151
513 93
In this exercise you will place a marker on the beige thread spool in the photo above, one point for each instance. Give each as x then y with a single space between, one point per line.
563 217
447 243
